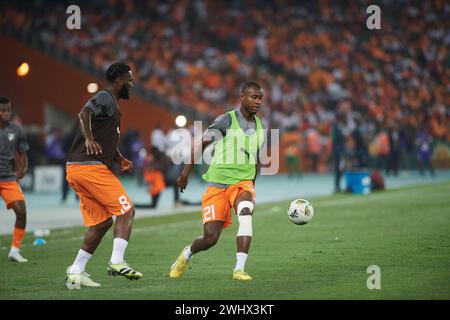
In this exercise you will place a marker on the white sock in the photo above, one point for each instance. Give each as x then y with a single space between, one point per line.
241 258
187 253
80 262
118 252
14 250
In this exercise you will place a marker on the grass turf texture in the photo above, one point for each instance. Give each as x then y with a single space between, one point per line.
406 232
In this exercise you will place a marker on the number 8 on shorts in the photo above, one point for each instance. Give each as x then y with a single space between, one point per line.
125 204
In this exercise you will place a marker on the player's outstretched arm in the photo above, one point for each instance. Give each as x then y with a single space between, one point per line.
92 147
196 149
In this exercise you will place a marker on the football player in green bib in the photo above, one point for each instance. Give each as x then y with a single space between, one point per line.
238 136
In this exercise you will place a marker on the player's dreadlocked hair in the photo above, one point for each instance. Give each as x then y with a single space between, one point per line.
4 100
116 70
250 85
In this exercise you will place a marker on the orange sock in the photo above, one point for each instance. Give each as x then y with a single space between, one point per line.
18 235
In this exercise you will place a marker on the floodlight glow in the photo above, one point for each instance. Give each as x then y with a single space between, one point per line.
23 69
92 87
181 121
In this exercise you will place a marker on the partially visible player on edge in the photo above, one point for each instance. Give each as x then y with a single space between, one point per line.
101 194
231 184
13 143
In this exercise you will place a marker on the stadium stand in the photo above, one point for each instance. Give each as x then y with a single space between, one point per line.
315 59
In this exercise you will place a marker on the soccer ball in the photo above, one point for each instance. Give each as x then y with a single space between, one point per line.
300 211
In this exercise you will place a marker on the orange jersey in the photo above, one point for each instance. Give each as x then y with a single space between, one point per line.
314 142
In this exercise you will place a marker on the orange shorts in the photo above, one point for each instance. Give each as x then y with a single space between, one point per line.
101 193
10 191
155 179
217 203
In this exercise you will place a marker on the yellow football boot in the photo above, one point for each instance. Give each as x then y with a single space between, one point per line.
179 266
240 274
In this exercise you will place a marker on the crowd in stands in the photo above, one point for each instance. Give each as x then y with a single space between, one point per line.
314 59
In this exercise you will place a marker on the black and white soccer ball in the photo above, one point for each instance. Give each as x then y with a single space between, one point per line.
300 211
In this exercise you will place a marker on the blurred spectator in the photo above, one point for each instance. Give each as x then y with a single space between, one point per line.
154 168
440 125
377 181
339 151
157 138
36 151
127 141
291 142
53 147
176 148
424 152
133 148
137 155
394 149
67 142
360 145
383 149
314 148
406 144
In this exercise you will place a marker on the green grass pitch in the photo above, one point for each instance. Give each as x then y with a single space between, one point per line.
406 232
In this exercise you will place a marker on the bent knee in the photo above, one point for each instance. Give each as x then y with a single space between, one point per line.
105 225
19 208
245 208
211 240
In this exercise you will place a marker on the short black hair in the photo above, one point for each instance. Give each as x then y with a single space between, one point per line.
250 85
116 70
4 100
